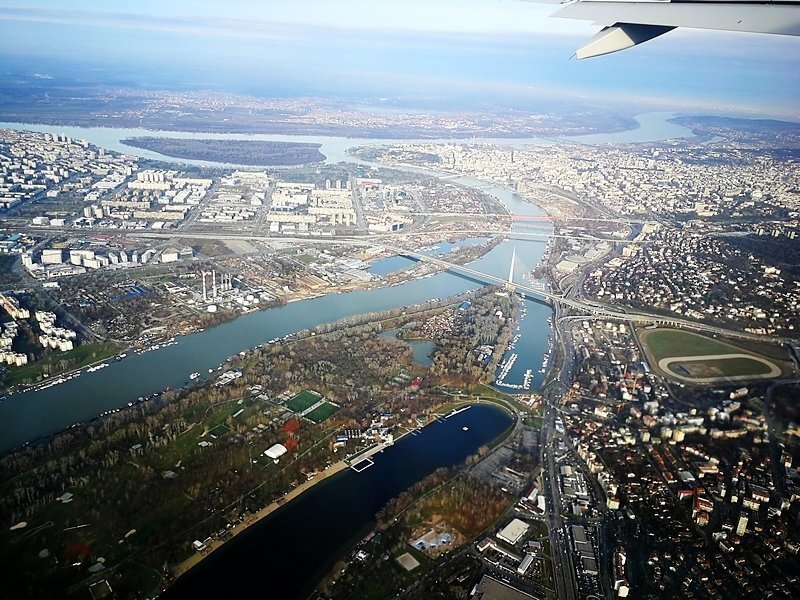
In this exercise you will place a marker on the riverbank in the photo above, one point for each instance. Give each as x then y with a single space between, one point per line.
295 548
651 126
24 378
213 545
32 415
388 523
334 469
150 339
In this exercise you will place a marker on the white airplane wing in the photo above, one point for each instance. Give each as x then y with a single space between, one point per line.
628 23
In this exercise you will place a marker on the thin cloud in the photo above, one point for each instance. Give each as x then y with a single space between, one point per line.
419 19
254 54
193 26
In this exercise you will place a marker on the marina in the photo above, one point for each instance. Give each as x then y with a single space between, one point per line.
526 382
362 465
505 368
54 382
456 411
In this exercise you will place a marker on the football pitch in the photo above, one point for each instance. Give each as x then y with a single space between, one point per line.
668 343
302 401
322 412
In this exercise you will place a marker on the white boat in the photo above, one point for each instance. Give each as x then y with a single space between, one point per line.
194 375
527 378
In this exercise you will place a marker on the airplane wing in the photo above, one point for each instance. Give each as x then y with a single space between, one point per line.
628 23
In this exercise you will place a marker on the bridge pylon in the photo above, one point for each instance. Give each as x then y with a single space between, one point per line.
509 286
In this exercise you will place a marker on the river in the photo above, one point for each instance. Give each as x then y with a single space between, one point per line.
286 554
653 126
30 415
334 148
33 414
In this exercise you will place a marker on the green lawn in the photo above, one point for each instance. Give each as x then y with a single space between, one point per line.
83 355
186 443
322 413
218 431
665 343
660 344
535 422
302 401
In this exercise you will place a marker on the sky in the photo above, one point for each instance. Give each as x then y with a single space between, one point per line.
410 15
453 52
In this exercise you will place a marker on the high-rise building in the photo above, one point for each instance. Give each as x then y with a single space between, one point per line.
741 526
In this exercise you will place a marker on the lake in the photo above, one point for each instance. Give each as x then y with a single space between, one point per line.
287 553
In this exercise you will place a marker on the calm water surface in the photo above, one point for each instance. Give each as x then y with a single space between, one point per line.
652 127
283 556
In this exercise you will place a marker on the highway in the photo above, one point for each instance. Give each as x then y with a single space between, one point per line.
593 308
564 569
590 308
544 218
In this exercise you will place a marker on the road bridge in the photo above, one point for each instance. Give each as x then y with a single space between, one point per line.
592 308
461 215
596 309
521 217
525 290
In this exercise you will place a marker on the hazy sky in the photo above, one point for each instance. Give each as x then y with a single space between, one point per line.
455 50
413 15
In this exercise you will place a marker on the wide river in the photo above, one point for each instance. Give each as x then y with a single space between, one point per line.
653 127
30 415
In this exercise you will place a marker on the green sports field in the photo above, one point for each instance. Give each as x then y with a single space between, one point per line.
721 367
218 431
323 412
302 401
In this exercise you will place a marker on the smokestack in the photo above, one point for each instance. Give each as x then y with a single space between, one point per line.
214 283
205 295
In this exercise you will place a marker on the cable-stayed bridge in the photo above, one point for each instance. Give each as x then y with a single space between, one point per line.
524 290
587 308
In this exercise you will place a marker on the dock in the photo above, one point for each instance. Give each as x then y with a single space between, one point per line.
454 412
357 462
